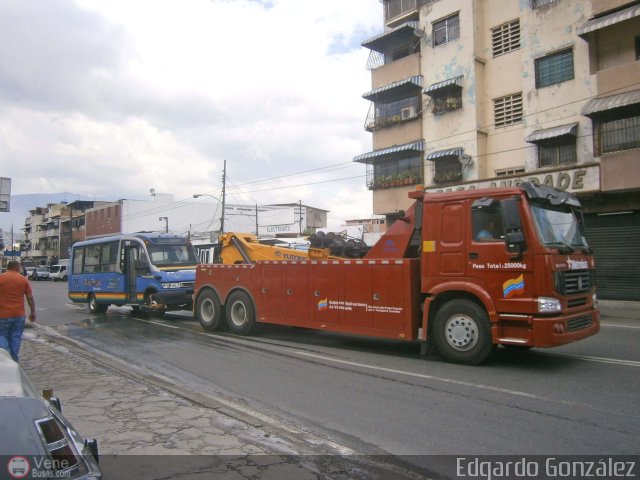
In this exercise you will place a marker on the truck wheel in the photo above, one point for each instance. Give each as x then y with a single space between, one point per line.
462 332
95 307
241 314
209 311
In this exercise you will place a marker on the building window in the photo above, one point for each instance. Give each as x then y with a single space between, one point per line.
618 134
506 37
447 100
541 3
557 151
446 30
554 68
509 171
395 173
447 170
508 110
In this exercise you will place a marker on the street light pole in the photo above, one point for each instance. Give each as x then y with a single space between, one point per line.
166 223
224 181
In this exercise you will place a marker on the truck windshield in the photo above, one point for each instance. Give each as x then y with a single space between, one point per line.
172 255
559 226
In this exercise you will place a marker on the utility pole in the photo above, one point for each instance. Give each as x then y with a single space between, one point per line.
300 218
166 223
224 181
256 219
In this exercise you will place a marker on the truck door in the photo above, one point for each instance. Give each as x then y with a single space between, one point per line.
505 275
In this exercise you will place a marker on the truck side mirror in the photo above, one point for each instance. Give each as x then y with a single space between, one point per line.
512 224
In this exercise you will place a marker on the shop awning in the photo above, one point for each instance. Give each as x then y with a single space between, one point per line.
602 104
434 88
554 132
390 152
394 36
451 152
608 20
396 90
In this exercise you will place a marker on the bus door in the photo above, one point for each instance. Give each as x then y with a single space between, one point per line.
131 255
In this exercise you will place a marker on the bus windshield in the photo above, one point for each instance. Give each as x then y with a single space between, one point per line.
162 255
559 226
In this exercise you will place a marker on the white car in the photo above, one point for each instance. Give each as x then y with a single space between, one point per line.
58 272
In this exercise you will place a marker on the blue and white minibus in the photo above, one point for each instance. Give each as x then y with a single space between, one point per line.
152 272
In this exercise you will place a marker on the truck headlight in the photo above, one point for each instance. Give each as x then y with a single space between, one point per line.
594 299
549 305
171 285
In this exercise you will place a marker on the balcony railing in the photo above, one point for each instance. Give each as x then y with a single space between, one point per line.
388 114
396 8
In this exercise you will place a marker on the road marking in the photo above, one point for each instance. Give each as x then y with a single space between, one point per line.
615 361
426 377
611 325
155 323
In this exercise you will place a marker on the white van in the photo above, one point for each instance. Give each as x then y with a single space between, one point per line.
58 272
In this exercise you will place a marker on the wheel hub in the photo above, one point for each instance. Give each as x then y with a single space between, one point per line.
462 332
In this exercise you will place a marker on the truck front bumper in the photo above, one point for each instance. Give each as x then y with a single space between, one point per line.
534 331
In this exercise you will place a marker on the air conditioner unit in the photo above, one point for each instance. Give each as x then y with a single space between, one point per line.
407 113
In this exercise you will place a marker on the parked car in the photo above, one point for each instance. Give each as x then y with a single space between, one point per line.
58 272
36 440
29 271
40 273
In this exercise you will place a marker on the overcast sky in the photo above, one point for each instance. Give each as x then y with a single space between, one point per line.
111 98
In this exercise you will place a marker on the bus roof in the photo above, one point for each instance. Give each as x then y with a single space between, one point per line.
150 237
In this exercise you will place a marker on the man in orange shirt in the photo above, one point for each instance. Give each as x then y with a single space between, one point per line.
14 287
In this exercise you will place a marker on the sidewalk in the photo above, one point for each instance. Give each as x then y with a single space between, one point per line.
146 432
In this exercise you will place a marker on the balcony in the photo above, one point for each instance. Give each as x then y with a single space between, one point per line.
398 11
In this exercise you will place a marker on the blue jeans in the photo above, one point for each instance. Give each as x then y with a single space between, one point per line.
11 335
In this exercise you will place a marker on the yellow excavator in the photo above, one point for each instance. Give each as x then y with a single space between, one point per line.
246 248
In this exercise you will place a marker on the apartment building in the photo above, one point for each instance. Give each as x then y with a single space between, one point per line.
484 93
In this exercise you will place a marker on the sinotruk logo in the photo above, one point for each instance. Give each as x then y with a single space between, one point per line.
18 467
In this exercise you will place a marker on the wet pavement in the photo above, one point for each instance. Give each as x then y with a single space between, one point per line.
150 430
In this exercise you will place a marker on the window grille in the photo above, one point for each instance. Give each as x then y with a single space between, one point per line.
619 134
446 170
395 172
557 151
541 3
509 171
506 37
554 68
448 101
446 30
508 110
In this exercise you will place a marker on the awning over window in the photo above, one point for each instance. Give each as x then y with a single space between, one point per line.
554 132
602 104
395 36
390 152
396 90
451 152
435 88
608 20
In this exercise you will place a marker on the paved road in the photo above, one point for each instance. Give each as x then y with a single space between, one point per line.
379 396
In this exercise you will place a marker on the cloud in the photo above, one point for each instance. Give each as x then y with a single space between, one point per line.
114 98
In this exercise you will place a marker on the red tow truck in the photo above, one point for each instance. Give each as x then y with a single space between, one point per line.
465 270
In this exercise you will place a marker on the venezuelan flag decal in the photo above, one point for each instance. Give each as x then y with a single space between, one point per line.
323 305
513 287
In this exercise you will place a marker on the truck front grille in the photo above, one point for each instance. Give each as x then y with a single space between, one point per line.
578 323
574 281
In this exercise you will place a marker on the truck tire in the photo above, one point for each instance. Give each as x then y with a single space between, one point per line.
95 307
241 314
209 311
462 332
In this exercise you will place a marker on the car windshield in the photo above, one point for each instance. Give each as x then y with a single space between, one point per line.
172 255
559 226
42 269
55 269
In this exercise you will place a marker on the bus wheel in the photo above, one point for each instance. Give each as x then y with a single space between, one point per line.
209 311
462 332
95 307
150 303
241 314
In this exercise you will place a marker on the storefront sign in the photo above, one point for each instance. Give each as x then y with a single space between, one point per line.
576 180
